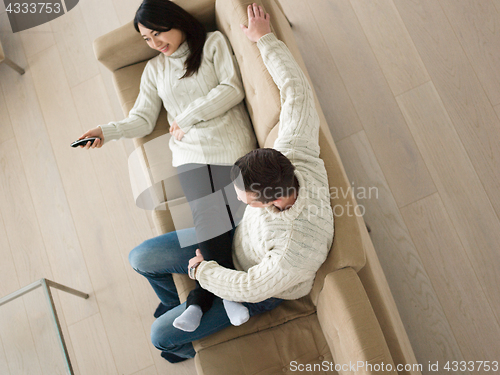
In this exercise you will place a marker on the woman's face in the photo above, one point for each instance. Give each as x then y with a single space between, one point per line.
166 42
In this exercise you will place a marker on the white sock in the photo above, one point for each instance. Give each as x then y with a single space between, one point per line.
236 312
189 320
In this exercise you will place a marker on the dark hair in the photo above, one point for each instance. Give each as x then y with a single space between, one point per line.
265 172
164 15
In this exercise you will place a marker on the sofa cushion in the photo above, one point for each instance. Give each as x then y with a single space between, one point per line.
127 82
286 311
262 96
300 340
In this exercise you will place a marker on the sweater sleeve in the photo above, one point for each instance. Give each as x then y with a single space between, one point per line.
228 93
299 122
142 117
269 278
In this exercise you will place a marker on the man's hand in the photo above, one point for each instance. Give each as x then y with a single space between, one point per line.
195 261
258 23
176 131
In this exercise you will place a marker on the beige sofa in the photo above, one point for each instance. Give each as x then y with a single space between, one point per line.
350 314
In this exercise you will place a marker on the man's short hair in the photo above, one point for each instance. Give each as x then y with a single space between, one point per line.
267 173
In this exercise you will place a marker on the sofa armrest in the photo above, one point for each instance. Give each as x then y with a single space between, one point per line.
350 326
122 47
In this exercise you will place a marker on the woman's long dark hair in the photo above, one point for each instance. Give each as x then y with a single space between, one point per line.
163 15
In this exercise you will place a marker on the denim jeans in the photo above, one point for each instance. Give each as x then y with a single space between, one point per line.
156 259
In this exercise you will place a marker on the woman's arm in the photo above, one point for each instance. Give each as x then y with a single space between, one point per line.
228 93
143 116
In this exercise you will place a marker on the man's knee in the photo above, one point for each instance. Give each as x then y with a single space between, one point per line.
161 335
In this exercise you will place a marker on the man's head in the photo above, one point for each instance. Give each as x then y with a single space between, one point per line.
264 176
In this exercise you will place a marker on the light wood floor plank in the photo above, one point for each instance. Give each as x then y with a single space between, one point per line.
8 276
19 215
44 181
17 339
148 371
473 21
497 5
458 185
64 326
332 94
391 44
421 312
4 366
382 120
100 18
44 332
125 9
459 291
8 284
113 293
37 39
75 47
497 109
6 131
459 88
92 348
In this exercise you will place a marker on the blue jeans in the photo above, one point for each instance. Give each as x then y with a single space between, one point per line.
156 259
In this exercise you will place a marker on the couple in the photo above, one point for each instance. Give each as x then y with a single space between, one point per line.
278 246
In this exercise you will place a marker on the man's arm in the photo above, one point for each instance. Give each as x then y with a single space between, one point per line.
272 276
299 121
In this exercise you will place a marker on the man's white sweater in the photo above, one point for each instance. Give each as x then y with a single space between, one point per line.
207 106
277 253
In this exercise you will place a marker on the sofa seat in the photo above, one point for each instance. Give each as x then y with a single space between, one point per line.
300 340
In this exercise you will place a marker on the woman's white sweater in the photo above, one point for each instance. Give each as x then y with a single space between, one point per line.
277 253
207 106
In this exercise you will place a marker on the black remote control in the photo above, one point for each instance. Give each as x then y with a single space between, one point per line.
83 142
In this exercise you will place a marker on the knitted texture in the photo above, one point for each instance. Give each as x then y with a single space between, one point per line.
207 106
277 253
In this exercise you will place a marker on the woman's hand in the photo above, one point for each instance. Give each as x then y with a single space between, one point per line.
176 131
95 132
258 23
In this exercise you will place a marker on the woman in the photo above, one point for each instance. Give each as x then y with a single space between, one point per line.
196 78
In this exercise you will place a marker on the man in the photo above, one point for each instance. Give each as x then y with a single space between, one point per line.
286 231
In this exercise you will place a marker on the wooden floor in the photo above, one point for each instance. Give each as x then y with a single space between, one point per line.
411 91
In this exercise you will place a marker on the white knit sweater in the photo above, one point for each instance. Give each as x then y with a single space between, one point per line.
207 106
277 253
